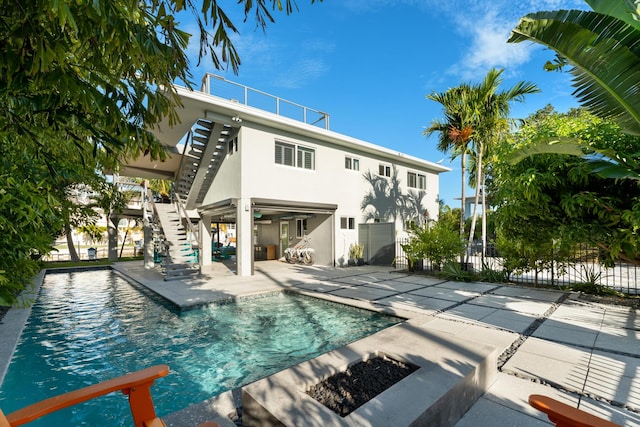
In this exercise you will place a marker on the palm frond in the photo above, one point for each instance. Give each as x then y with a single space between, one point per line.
605 54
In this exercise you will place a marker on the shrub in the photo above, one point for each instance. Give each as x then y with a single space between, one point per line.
453 271
437 243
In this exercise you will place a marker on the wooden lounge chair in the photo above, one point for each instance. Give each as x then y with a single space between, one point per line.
563 415
136 385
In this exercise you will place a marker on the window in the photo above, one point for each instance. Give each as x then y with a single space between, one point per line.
411 179
306 158
352 163
284 154
295 155
416 180
384 170
347 223
422 182
301 228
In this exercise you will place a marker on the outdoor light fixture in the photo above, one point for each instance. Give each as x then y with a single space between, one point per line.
236 119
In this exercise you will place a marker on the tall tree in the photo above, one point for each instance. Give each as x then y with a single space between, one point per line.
454 131
92 76
475 116
491 111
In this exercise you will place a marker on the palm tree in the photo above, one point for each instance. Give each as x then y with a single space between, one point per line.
602 47
490 117
454 132
476 116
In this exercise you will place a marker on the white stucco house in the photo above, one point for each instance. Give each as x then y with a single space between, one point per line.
275 173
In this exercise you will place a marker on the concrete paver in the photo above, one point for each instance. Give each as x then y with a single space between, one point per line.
512 303
508 320
457 295
396 285
576 333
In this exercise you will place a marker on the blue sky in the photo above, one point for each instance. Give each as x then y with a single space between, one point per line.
370 64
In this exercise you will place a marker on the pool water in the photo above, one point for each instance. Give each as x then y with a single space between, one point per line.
87 327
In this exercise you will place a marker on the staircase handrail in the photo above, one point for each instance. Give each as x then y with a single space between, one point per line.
184 153
154 210
183 213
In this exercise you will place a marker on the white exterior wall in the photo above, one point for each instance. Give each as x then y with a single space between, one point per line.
329 183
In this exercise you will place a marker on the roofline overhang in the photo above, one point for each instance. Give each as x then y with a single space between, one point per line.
210 106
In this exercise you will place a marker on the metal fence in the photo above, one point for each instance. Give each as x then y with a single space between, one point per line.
101 253
583 267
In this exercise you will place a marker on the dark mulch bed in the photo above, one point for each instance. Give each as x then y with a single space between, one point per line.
346 391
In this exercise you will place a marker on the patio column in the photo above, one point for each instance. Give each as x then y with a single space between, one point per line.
244 236
204 230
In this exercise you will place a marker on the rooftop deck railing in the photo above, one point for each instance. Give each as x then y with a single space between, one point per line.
215 85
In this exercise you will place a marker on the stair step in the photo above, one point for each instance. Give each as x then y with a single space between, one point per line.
205 123
202 131
200 139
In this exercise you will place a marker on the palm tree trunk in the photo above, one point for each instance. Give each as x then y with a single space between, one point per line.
484 221
73 254
462 192
477 199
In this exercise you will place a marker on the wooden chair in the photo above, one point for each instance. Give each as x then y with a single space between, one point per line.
566 416
136 385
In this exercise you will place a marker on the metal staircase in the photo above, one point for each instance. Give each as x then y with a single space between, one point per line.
180 250
207 145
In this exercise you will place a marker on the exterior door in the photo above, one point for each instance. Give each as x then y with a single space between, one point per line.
284 236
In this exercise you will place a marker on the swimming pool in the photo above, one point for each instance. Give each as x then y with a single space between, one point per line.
91 326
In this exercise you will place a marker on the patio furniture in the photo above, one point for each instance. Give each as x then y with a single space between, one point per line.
136 385
563 415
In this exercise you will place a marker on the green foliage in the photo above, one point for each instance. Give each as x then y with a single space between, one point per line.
453 271
82 86
356 250
590 283
602 48
450 218
548 203
437 243
490 275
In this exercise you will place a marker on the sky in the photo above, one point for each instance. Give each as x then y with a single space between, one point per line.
371 63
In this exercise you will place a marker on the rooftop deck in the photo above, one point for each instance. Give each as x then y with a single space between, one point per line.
215 85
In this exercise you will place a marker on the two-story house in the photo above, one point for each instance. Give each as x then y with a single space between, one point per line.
274 172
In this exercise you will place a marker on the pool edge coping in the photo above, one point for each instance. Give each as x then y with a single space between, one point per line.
14 321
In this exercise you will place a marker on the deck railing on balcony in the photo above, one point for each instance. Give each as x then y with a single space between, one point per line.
215 85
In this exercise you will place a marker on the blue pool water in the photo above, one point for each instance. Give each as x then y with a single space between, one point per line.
87 327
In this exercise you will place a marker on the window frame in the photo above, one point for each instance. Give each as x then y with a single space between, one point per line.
419 180
384 170
347 223
352 163
301 156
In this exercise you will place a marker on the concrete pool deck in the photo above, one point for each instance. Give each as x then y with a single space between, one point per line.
548 342
584 354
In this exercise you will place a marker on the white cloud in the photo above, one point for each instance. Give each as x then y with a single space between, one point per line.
488 46
488 25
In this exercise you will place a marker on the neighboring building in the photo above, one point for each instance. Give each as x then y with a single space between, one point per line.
278 179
